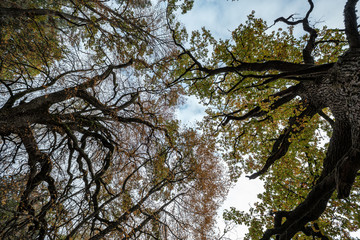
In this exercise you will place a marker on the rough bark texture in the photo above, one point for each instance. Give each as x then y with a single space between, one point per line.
338 90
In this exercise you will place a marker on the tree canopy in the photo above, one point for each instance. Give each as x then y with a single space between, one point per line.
90 147
274 101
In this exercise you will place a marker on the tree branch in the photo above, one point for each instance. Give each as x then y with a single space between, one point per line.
286 96
327 118
307 51
282 143
351 28
18 12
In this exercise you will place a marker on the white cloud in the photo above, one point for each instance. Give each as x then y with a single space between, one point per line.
223 16
242 196
191 111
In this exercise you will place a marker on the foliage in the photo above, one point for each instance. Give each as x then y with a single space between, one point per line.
90 147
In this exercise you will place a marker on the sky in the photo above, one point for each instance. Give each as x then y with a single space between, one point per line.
244 193
223 16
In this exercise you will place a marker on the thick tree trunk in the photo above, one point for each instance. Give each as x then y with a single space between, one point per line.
339 90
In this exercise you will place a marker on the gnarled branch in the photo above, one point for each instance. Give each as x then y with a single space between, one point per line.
351 28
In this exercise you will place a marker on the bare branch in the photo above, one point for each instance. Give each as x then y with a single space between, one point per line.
307 51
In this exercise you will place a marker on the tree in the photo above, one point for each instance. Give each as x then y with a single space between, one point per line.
273 98
90 148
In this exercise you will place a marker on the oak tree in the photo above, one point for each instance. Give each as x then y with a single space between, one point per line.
275 99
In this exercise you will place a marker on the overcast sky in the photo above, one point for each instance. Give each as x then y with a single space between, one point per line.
223 16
